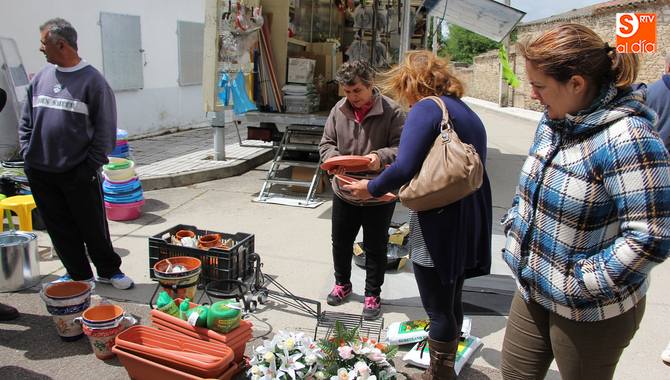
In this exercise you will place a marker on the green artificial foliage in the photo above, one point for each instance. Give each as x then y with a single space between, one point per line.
507 72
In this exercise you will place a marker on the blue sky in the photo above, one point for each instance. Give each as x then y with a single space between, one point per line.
536 9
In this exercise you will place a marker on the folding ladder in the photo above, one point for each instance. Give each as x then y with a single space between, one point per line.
296 138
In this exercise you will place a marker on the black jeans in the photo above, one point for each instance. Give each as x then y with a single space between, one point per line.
72 207
347 219
442 303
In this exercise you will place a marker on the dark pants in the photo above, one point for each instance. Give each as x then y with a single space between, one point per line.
347 220
583 350
442 303
72 207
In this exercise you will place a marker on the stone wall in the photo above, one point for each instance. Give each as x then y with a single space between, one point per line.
484 74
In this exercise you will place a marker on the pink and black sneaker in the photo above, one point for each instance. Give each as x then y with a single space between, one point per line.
339 294
372 308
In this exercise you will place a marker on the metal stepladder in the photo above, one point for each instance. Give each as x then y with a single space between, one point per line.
296 138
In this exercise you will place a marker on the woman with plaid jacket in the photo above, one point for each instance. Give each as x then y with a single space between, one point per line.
591 216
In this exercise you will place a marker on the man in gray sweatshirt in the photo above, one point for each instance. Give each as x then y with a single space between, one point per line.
66 131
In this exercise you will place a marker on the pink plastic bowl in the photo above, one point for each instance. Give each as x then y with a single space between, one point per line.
121 211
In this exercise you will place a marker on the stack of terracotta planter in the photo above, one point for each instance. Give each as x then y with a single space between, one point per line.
174 349
150 353
236 339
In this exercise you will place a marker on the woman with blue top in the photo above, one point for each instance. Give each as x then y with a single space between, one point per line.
451 243
591 215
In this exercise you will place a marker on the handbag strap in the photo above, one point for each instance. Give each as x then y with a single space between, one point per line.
445 113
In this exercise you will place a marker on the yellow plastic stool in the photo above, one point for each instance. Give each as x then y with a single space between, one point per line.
22 205
8 214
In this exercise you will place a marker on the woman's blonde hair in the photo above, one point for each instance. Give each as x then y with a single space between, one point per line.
421 74
574 49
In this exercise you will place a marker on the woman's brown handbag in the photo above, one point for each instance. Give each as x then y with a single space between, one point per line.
451 171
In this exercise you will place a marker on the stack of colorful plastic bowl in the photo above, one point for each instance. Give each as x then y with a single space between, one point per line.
122 150
122 190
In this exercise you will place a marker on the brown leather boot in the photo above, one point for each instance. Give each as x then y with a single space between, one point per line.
442 361
7 313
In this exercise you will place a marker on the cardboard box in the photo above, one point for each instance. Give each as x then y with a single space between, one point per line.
300 173
332 58
300 70
327 57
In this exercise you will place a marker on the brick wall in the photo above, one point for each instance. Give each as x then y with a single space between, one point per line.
484 72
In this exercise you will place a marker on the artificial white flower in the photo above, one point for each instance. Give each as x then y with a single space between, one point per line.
343 374
269 356
290 364
363 369
311 358
376 355
255 370
320 375
289 343
346 352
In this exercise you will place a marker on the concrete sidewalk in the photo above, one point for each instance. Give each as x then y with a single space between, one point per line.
294 245
186 157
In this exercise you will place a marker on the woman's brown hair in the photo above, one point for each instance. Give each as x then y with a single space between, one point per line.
574 49
421 74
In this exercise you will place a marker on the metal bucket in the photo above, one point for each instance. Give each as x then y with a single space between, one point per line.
19 265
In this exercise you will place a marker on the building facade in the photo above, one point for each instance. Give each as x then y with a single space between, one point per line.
482 77
149 51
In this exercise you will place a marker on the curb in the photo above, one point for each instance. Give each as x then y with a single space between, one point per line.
198 176
520 113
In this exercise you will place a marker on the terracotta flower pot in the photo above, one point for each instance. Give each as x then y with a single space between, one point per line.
179 284
209 241
102 340
68 289
102 315
190 263
184 233
65 302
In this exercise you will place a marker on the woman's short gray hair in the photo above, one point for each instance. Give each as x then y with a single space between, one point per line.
61 29
353 72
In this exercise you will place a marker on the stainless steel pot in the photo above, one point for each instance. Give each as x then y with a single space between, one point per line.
19 264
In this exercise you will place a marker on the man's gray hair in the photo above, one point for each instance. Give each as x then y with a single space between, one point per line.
353 72
61 29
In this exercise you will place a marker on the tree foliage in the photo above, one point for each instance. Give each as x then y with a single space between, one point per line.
462 45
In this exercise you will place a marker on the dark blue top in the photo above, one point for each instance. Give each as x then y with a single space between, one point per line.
458 236
658 98
69 118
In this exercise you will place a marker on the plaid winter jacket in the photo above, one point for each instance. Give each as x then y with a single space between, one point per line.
592 212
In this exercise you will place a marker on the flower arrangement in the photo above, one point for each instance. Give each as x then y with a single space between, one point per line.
287 356
347 356
344 356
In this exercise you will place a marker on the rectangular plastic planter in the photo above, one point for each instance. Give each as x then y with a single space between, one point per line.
139 368
176 350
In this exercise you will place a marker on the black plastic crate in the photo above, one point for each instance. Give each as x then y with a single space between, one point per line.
217 264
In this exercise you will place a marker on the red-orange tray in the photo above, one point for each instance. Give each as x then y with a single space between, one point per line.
350 163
